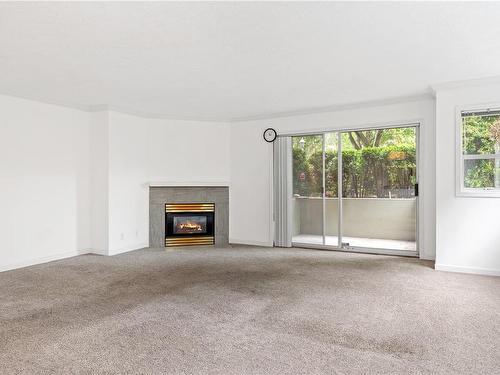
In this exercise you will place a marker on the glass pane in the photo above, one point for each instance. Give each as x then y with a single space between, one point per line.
379 163
482 173
307 201
331 189
480 135
190 224
378 177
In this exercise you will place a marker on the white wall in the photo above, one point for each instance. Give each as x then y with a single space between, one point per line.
251 167
75 182
128 176
142 150
189 151
83 177
250 194
468 229
44 182
99 182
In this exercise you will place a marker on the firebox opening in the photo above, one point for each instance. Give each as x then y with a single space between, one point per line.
189 224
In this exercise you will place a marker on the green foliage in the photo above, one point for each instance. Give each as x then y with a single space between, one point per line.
300 166
368 172
311 144
477 134
495 134
378 138
380 162
479 174
481 135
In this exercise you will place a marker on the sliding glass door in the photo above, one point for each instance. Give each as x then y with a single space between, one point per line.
356 190
308 182
379 202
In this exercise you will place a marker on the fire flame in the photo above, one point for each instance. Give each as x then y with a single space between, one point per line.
188 225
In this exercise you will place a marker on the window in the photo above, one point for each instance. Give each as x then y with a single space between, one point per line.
478 162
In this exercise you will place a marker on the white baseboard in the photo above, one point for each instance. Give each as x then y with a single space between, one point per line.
46 259
98 252
234 241
472 270
126 249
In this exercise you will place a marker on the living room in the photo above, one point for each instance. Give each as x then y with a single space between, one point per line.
249 187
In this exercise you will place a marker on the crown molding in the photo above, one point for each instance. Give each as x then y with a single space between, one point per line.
50 102
452 85
150 115
430 94
108 108
427 95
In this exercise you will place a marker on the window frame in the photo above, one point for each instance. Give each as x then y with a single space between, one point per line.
461 190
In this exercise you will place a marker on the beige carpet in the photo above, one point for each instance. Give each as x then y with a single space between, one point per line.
247 311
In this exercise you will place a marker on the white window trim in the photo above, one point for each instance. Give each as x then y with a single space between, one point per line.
461 190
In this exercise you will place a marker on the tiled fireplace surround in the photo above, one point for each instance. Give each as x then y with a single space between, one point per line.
159 195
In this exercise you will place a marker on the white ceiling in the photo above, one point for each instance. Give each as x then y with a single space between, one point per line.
235 60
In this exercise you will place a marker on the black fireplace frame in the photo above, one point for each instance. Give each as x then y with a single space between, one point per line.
206 210
169 224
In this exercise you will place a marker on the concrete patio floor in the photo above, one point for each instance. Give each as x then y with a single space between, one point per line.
374 243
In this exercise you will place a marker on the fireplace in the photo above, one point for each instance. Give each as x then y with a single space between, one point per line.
189 224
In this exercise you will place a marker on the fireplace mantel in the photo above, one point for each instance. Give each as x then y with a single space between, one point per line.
188 184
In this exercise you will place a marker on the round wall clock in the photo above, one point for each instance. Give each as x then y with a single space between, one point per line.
270 135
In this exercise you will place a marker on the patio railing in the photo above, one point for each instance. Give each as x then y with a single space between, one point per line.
382 218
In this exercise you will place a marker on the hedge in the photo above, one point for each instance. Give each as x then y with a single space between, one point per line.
369 172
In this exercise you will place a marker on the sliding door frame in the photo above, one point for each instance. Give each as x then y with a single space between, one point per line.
339 190
323 189
360 249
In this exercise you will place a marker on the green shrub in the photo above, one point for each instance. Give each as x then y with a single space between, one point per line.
369 172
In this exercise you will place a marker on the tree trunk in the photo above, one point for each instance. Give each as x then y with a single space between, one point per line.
363 140
353 141
378 138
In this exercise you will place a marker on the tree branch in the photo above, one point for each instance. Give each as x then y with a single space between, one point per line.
378 138
353 141
362 138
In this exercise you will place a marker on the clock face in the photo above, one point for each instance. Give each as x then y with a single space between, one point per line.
270 135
